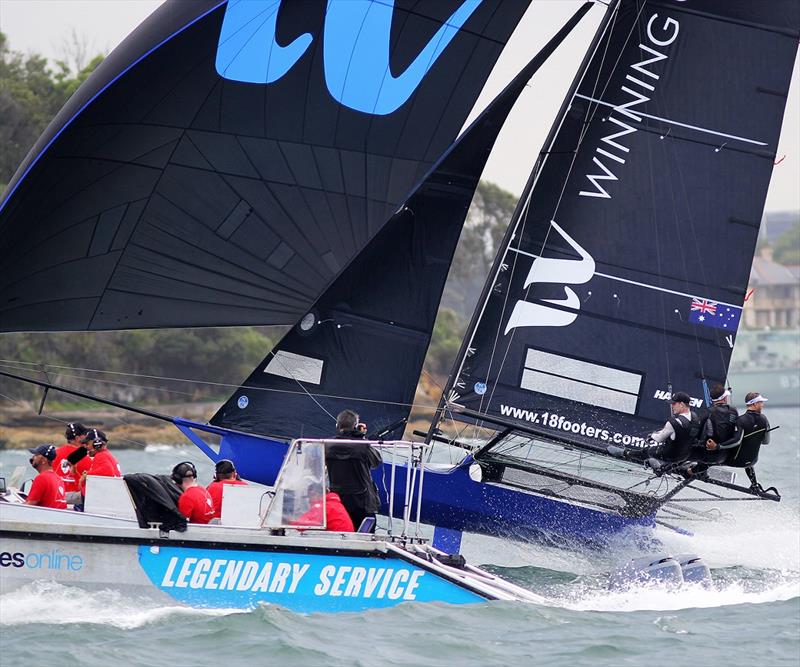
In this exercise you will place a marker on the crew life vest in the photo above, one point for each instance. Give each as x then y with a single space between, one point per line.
687 430
721 422
754 426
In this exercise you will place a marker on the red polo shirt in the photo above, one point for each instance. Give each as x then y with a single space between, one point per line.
47 490
62 468
196 505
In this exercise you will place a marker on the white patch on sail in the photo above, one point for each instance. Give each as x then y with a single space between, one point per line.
564 271
581 381
295 367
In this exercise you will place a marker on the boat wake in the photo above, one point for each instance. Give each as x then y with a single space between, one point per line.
47 602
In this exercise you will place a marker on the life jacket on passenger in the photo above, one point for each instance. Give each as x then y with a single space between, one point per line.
754 426
687 431
721 422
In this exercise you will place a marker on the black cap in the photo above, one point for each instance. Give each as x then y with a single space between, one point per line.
48 451
224 467
75 430
94 434
680 397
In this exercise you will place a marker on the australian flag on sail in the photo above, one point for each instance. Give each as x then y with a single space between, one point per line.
712 314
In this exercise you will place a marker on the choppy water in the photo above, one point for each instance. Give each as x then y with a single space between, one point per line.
752 616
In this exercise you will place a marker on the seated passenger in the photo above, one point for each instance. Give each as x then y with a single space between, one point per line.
752 431
47 489
66 470
674 441
195 503
336 516
103 463
224 473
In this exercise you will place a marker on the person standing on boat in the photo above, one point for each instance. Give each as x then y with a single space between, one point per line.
47 489
62 466
195 502
349 466
224 473
674 441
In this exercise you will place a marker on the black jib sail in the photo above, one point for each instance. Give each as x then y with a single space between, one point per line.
623 276
228 159
362 345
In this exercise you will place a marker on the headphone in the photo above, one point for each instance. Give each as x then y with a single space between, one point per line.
218 472
181 470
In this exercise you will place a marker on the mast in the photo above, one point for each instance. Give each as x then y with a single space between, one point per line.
519 211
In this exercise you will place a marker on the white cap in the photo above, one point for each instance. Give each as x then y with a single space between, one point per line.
757 399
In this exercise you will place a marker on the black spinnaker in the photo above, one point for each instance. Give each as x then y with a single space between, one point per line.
623 274
228 159
362 344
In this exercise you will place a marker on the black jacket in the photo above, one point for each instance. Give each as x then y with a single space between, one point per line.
349 466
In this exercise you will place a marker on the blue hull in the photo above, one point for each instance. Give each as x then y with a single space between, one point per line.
452 500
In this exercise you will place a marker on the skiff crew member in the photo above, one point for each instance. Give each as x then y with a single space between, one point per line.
224 473
103 462
47 489
752 431
195 502
674 441
66 470
719 427
349 466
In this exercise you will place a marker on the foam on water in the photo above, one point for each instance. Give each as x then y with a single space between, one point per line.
47 602
778 587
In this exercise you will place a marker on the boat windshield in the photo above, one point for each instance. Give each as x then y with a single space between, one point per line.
299 499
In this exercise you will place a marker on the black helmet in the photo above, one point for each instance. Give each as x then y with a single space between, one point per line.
183 469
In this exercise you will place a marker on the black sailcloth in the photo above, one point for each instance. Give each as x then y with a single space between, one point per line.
624 273
362 344
228 159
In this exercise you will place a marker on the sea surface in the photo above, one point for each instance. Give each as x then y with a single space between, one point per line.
750 617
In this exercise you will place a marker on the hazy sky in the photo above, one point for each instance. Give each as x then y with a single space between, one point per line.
42 25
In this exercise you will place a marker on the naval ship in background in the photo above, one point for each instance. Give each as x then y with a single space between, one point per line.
767 354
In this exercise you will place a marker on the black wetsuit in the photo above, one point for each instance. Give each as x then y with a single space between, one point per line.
720 426
349 466
752 431
675 450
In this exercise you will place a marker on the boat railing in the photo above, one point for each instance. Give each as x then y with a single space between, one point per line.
300 488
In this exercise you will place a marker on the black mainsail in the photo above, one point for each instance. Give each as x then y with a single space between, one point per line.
362 344
623 274
229 158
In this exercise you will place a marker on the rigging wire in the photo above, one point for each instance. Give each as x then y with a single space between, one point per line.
219 384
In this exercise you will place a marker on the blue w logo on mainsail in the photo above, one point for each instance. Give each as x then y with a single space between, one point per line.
355 49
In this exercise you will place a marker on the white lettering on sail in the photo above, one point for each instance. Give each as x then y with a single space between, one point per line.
558 271
659 36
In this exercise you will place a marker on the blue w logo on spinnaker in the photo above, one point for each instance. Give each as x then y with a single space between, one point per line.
355 50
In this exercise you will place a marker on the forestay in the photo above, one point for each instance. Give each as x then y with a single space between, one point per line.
623 274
